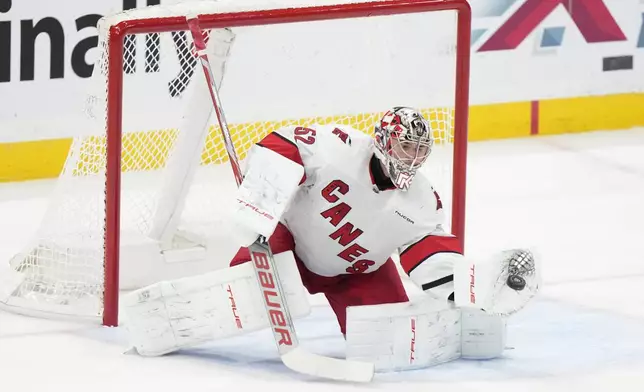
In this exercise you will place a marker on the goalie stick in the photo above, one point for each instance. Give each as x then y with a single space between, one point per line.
291 354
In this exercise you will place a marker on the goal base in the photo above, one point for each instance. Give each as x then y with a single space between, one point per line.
144 263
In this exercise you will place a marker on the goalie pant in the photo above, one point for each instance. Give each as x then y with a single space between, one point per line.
382 286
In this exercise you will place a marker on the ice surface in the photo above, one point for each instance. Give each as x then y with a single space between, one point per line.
577 200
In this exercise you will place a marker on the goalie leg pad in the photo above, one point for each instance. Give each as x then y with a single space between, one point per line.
403 336
482 334
420 334
168 316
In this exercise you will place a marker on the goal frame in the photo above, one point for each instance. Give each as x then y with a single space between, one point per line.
118 31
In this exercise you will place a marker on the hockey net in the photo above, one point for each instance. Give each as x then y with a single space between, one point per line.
142 194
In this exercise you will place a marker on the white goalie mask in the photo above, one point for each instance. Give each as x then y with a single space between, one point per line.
403 140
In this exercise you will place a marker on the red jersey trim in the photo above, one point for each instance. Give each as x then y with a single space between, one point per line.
428 246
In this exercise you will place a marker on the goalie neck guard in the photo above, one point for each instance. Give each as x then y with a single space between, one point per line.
403 141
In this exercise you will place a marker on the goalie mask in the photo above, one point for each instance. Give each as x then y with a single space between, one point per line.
403 142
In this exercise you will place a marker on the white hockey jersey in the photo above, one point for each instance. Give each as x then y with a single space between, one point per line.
343 223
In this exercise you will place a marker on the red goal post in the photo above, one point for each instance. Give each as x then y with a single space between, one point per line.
168 19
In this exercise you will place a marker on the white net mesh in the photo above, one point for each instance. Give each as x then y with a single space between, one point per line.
175 174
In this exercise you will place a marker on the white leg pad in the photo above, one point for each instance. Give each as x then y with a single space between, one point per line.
482 335
168 316
416 335
403 336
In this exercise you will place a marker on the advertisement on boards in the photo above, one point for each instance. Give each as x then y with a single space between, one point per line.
522 50
526 50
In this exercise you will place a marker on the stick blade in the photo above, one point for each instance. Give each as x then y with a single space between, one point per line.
305 362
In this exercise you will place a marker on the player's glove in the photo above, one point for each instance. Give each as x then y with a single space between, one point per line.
502 285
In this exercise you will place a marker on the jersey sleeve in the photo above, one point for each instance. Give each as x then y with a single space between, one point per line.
429 261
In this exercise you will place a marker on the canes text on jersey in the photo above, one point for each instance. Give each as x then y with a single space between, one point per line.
345 235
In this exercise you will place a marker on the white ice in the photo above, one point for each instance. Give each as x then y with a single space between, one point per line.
577 200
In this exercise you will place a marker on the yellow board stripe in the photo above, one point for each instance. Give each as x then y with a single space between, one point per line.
45 159
499 121
608 112
149 150
32 160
